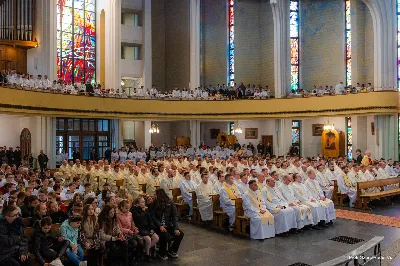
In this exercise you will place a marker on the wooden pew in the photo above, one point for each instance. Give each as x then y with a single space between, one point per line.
241 222
337 197
196 217
142 187
181 207
363 199
219 216
27 222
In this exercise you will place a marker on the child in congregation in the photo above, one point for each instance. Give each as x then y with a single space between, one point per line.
70 231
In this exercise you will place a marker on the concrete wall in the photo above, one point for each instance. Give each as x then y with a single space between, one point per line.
170 43
322 45
214 42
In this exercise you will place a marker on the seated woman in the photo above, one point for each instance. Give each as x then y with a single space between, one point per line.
57 216
70 230
76 210
46 246
164 215
13 243
143 221
78 197
40 213
93 201
89 236
128 227
111 236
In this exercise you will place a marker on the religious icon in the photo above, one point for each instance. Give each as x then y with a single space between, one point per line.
330 141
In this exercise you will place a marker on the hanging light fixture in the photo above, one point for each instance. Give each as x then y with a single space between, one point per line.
154 129
238 129
329 126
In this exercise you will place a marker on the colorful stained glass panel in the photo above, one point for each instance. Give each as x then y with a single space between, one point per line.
348 41
231 42
294 44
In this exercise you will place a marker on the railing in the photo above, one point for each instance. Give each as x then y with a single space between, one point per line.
17 20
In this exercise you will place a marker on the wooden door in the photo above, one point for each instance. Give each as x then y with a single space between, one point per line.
268 139
25 142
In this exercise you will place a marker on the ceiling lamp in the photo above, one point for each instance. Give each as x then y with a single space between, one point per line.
238 129
154 129
329 126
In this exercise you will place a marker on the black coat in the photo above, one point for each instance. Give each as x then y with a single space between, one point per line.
41 242
26 211
58 217
17 157
12 239
170 216
143 220
43 159
107 155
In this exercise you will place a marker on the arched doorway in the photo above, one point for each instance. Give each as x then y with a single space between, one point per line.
25 142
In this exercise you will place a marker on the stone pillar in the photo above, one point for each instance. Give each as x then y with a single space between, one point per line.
113 44
360 130
386 137
194 44
147 135
283 136
147 45
385 54
280 11
195 133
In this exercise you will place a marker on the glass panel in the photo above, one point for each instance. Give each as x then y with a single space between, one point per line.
79 4
100 125
79 21
294 44
77 125
90 5
105 125
70 124
85 125
91 125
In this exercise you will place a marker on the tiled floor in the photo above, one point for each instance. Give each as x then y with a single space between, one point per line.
205 247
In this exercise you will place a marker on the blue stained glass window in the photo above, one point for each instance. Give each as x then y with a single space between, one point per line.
348 41
231 28
349 143
296 134
294 44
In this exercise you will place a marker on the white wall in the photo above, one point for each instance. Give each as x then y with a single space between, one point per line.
205 131
311 145
371 139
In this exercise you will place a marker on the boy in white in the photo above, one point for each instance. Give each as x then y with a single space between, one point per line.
204 191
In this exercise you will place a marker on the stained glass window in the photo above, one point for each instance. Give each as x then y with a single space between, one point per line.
76 40
398 45
231 56
231 128
296 135
348 42
349 132
294 44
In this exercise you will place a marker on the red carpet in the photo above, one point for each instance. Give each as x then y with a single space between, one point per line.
368 218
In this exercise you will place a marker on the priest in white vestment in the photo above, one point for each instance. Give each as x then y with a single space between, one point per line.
303 212
187 186
152 182
303 195
346 187
324 181
261 220
242 185
204 192
131 184
317 193
284 216
227 196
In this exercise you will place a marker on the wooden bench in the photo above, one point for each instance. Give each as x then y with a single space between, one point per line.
363 199
27 222
181 206
142 187
242 222
219 216
337 197
196 217
119 183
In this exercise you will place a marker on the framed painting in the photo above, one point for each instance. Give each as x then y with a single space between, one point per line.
317 129
251 133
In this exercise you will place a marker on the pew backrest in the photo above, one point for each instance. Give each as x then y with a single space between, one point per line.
239 207
378 183
176 192
194 199
216 203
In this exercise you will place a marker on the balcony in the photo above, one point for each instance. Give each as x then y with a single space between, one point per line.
14 101
131 68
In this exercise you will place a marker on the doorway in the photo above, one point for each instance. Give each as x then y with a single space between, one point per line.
268 139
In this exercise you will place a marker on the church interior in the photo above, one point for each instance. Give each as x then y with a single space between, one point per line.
200 132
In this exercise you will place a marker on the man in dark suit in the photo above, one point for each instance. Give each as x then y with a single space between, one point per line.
17 156
359 156
43 160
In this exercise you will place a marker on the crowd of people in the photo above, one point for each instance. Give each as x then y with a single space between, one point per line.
210 92
103 209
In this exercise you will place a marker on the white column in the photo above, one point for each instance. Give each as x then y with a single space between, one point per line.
147 135
385 47
113 44
280 10
194 44
147 54
195 133
386 137
360 130
283 136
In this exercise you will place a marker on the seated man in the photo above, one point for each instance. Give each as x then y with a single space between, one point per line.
227 196
303 195
204 191
284 216
345 186
186 187
261 220
14 245
317 193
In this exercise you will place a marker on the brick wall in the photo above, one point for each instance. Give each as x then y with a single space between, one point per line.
170 40
267 47
214 42
322 45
